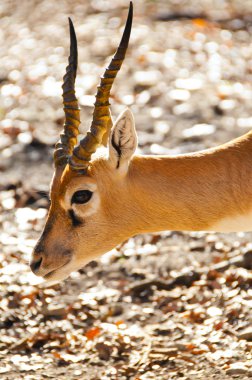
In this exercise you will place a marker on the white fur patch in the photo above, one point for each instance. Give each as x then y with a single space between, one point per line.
101 151
89 208
239 223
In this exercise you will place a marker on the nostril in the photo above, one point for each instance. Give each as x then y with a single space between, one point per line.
35 265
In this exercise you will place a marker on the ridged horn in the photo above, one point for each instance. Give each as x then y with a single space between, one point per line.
101 116
68 138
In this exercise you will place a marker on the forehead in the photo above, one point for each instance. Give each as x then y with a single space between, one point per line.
66 178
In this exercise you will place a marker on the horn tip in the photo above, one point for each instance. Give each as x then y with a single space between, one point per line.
131 9
70 21
71 26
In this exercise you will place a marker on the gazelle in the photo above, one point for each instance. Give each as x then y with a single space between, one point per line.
99 200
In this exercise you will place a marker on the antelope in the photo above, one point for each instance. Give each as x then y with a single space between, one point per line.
101 197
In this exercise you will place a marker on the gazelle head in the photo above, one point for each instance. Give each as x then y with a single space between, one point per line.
85 185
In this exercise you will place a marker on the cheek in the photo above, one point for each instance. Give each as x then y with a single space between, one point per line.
90 208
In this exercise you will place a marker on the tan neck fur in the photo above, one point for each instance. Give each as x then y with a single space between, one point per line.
194 191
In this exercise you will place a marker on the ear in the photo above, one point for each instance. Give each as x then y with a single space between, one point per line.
123 141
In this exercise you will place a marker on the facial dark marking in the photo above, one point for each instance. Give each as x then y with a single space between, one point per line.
75 220
40 247
66 253
48 227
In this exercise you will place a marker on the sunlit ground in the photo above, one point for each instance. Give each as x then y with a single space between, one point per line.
187 81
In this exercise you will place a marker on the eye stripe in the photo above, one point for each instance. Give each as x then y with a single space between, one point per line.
75 220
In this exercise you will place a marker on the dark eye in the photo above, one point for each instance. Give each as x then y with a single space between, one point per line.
81 196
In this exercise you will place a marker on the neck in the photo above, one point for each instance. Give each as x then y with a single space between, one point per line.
209 190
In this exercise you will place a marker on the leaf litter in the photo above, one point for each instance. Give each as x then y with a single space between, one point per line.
163 306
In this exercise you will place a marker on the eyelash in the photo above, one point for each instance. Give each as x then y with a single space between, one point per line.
75 220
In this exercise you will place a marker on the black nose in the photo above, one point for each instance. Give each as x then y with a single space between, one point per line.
35 265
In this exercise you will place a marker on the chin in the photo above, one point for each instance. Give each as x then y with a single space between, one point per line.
62 273
55 277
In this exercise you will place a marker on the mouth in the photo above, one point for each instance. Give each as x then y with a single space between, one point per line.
52 273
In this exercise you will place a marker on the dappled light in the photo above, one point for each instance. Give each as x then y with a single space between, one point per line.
163 306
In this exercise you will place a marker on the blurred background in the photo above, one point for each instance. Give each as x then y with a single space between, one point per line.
187 78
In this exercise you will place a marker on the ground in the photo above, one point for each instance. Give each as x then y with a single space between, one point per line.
162 306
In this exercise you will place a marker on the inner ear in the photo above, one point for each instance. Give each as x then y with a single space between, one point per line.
123 140
117 146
